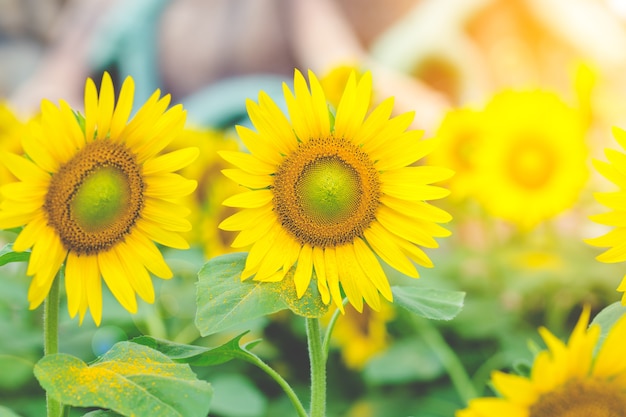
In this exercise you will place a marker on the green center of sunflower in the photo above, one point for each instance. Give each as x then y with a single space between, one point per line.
582 399
95 198
101 199
328 189
326 192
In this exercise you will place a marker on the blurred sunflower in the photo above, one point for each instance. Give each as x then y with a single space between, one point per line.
460 136
11 131
328 193
565 380
360 336
613 170
94 193
207 210
532 164
334 81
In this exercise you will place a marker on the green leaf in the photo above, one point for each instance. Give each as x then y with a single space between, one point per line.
405 361
130 379
607 318
236 396
225 301
7 255
431 303
198 355
101 413
16 371
5 412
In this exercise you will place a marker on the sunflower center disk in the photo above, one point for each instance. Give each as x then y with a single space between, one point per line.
95 198
326 192
532 165
581 399
101 199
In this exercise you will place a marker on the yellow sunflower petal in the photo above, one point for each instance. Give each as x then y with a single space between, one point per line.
157 233
405 227
349 273
248 162
90 272
73 283
320 273
404 150
257 253
169 125
372 268
153 214
304 270
250 199
515 388
386 248
169 186
30 233
146 251
255 142
380 136
246 218
411 191
254 182
91 109
496 407
353 106
24 169
251 234
170 162
611 359
137 274
332 277
123 108
609 172
419 209
270 122
106 101
116 279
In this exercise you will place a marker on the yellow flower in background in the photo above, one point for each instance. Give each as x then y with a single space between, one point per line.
360 336
95 194
207 210
334 81
532 165
11 131
565 380
329 193
460 135
614 171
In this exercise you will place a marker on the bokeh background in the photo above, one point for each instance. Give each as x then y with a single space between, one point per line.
435 57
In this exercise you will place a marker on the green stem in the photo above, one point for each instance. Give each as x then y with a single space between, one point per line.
318 368
255 360
449 359
330 328
51 337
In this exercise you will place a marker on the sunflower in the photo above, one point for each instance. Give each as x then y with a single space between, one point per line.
460 135
205 203
11 130
360 336
94 195
328 193
613 170
532 163
565 380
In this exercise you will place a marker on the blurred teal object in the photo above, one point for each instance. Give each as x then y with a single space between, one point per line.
223 104
127 37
